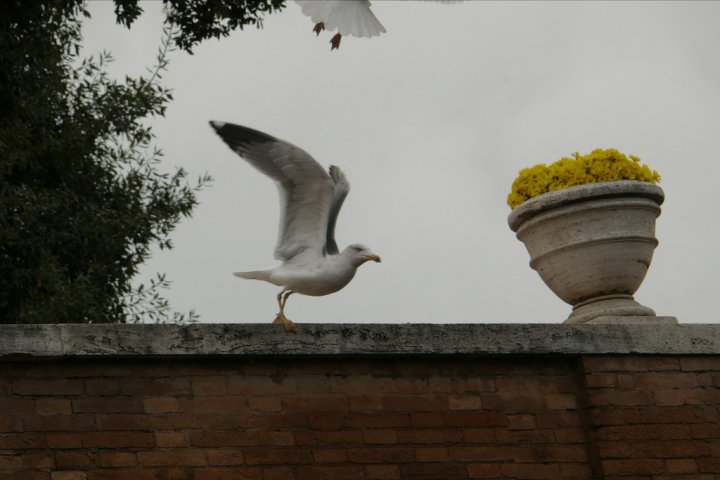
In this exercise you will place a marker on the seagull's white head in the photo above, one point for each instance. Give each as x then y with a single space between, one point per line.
359 254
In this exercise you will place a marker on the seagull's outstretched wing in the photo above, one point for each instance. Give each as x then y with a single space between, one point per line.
342 188
349 17
306 189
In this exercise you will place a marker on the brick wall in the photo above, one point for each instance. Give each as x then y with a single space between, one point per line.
433 416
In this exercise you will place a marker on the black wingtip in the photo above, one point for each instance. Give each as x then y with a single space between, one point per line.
238 133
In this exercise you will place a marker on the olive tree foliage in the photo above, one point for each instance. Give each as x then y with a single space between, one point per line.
82 196
198 20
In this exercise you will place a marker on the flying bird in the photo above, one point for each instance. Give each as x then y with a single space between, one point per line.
310 200
349 17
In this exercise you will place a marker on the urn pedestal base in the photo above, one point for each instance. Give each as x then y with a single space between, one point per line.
619 308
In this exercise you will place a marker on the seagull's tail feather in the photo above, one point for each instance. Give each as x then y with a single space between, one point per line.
254 275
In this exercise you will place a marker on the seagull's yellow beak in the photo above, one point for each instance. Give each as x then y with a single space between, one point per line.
374 258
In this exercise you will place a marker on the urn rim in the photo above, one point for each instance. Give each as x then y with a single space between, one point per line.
579 193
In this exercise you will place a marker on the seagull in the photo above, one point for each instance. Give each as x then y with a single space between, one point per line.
349 17
310 200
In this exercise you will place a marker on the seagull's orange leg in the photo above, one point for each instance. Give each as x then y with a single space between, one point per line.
319 27
280 317
335 41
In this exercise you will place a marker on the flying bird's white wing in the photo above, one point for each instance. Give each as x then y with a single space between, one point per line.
306 189
349 17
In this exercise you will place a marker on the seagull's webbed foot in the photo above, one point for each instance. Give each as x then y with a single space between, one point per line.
319 27
335 41
281 318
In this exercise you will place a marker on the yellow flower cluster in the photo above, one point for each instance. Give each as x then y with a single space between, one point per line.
598 166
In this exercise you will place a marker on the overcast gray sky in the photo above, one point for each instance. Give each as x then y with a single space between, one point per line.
431 122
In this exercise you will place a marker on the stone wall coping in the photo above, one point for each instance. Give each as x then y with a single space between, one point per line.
128 341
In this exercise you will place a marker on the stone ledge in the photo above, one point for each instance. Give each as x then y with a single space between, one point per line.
128 341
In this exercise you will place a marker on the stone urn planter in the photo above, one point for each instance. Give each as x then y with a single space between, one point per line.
592 245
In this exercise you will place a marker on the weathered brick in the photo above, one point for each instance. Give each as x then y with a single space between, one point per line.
107 405
484 470
633 467
513 403
118 439
436 436
209 385
68 475
464 402
53 406
16 406
538 436
123 474
102 386
59 423
150 386
479 435
600 380
330 455
561 454
175 421
160 405
172 439
64 440
226 473
72 459
224 404
277 456
655 380
560 401
484 453
433 471
18 460
48 387
265 404
273 438
699 364
381 455
333 437
521 422
380 436
12 441
224 456
709 465
431 454
530 471
224 439
123 422
364 403
475 419
277 420
559 419
117 459
427 419
570 435
621 398
681 465
329 472
172 457
377 420
382 472
315 403
415 403
608 363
